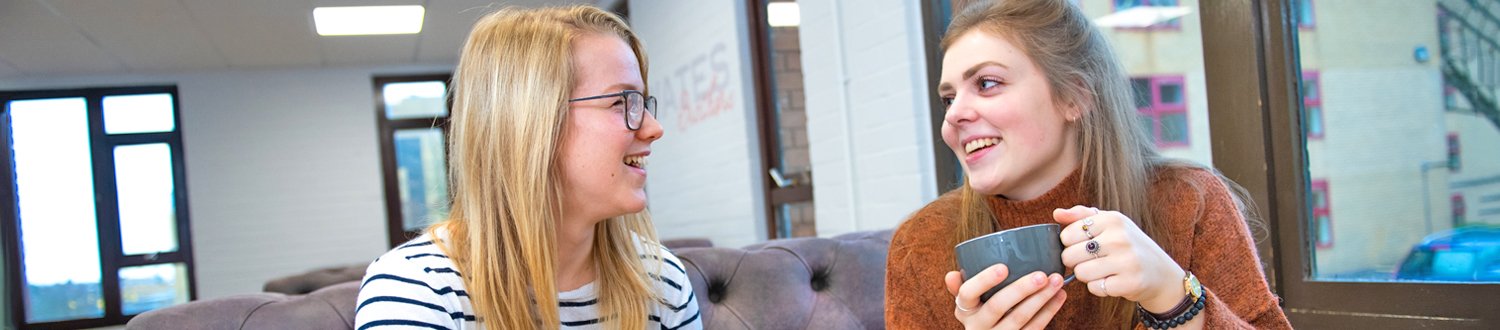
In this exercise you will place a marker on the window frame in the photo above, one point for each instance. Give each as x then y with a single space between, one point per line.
1314 79
107 217
1157 109
1320 186
1253 102
1309 22
767 122
396 232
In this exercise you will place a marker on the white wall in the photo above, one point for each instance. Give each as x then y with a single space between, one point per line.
867 112
283 170
704 176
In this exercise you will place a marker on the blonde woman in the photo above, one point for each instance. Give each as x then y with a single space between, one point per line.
1040 116
552 125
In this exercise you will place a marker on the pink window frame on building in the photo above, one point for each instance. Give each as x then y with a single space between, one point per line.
1312 79
1157 109
1322 210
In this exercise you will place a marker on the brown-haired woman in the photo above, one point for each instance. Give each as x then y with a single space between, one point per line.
1041 118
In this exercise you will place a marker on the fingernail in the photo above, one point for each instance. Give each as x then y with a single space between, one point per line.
1037 278
1056 280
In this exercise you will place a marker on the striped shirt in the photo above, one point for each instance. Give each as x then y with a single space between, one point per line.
416 286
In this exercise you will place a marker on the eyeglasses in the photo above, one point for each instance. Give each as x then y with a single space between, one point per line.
636 106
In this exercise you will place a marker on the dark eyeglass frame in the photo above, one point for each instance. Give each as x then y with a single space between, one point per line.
634 114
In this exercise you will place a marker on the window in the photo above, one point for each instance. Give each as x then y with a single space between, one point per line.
412 113
1304 15
1312 106
100 229
1459 207
782 118
1322 220
1404 244
1146 14
1163 109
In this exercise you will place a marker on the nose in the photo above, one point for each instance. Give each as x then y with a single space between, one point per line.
959 111
650 129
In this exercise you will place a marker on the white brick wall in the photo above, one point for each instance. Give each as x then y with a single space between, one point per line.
867 112
705 178
282 166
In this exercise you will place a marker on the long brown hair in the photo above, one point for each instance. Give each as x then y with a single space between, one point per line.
1117 159
510 93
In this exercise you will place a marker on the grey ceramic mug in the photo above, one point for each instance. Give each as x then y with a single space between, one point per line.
1023 250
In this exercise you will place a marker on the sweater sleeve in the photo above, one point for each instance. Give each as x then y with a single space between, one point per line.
915 297
1221 253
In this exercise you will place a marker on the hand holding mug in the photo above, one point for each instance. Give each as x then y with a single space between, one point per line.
1116 259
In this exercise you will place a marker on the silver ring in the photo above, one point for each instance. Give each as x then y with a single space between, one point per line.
1092 247
1104 286
1088 222
960 306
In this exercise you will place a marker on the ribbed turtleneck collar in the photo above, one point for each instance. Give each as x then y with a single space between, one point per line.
1069 192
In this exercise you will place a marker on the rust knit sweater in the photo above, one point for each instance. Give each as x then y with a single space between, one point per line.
1210 239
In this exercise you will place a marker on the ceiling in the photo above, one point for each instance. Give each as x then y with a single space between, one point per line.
46 38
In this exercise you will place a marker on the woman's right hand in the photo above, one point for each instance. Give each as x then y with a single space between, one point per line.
1028 303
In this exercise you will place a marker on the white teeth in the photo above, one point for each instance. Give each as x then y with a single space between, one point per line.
636 161
980 143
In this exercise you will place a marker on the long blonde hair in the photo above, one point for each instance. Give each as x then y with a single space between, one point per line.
510 93
1117 158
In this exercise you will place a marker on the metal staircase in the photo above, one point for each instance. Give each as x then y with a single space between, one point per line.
1469 37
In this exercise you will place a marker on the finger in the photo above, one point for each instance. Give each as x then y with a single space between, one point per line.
970 290
1022 314
1072 214
953 280
1101 288
1007 298
1076 254
1094 270
1044 316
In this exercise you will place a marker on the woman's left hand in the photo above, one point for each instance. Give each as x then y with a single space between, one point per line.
1116 259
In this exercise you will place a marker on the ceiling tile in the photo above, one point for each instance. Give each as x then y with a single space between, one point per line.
148 35
6 70
38 41
259 33
448 22
379 49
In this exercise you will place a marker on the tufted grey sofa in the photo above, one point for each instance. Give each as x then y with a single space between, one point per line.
800 283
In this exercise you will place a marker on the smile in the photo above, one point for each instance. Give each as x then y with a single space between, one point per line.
977 144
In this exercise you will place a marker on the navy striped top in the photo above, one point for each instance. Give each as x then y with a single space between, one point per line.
416 286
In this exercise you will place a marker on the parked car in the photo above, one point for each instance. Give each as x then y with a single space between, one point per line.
1464 254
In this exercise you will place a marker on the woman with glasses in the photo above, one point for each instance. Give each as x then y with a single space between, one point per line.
1039 113
552 124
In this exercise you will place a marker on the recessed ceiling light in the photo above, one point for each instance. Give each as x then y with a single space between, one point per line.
368 20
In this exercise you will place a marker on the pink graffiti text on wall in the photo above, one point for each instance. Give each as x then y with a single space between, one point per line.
701 88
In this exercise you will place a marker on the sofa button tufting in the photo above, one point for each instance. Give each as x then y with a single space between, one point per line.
819 282
716 292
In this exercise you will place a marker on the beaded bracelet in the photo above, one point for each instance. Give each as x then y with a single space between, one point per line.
1152 323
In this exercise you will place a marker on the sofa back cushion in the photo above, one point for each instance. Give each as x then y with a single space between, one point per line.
800 283
329 308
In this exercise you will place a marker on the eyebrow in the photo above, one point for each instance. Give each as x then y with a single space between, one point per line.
944 87
622 86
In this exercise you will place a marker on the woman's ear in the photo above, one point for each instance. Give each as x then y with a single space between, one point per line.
1073 108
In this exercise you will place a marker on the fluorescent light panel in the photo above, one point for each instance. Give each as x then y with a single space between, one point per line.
368 20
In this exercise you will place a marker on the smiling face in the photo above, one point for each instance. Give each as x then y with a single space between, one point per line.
603 162
1002 122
